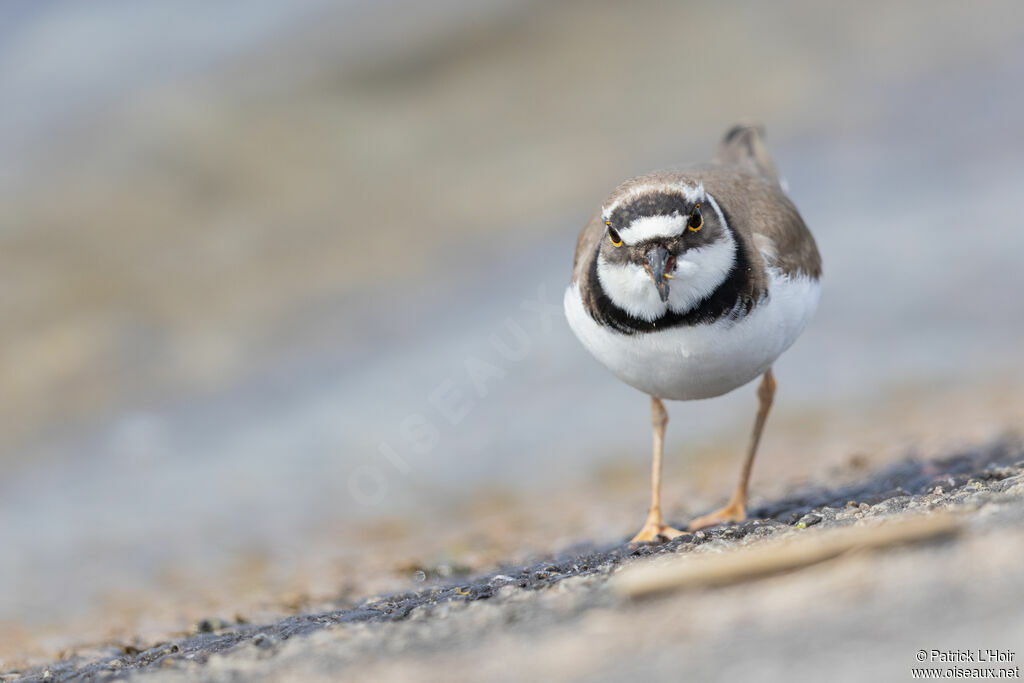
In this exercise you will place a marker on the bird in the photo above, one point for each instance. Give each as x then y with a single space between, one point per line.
689 283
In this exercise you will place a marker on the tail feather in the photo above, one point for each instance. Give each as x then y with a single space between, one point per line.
743 145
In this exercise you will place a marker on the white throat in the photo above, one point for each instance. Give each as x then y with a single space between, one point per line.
631 289
699 272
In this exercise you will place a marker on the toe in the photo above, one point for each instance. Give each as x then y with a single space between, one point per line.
729 513
660 532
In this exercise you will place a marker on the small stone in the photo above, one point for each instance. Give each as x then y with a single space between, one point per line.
209 625
810 519
419 576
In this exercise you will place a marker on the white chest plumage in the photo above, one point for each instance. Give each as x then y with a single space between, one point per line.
701 361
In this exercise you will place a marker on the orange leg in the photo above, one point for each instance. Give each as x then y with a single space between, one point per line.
736 509
653 527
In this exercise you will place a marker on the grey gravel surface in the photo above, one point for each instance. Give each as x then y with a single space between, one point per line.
557 616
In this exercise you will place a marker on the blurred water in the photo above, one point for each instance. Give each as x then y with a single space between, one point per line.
469 374
63 63
61 60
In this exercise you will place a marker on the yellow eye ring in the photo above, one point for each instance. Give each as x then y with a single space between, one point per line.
613 235
696 221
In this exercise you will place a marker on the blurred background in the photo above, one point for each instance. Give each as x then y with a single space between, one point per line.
280 284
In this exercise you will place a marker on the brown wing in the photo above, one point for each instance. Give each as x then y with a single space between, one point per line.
763 216
745 180
586 245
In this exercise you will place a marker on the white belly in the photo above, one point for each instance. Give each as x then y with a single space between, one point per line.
702 361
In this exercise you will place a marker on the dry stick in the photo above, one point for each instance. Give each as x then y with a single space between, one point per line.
748 563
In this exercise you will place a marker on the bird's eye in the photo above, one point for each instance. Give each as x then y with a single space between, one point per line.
696 221
613 235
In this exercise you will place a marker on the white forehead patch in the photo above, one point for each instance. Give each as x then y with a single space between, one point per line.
693 194
650 227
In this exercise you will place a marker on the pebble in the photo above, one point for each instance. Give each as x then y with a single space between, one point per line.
209 625
810 519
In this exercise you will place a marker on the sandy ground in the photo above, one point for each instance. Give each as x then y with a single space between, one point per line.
862 613
490 526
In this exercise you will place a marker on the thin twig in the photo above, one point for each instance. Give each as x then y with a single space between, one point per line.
811 547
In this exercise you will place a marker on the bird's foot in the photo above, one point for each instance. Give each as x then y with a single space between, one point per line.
735 511
654 529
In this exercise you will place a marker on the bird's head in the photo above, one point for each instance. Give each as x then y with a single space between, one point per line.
665 248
